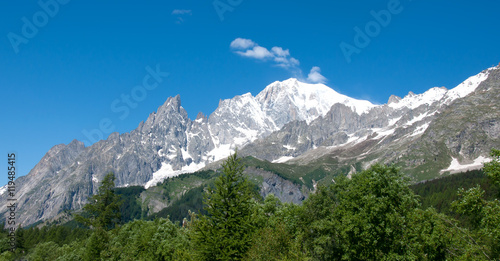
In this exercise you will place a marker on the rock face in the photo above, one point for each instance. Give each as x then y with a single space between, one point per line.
283 189
167 144
43 183
288 121
337 127
422 133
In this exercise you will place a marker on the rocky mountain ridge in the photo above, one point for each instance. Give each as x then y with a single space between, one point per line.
167 144
288 121
396 132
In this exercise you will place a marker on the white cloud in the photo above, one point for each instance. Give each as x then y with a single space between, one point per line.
179 13
241 43
257 52
280 56
280 52
286 62
182 12
179 20
315 76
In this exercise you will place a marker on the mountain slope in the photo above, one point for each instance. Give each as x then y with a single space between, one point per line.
308 126
422 133
167 144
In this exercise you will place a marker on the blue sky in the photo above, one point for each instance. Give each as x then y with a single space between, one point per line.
65 65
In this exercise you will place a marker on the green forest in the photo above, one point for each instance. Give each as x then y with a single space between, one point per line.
377 214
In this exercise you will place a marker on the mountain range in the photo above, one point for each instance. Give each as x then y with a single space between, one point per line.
291 124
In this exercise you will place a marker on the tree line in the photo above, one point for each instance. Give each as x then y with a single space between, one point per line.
375 215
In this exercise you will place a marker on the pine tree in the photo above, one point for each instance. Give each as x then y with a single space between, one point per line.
103 209
225 233
20 240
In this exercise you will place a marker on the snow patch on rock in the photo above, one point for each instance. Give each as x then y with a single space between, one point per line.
283 159
3 189
166 171
455 165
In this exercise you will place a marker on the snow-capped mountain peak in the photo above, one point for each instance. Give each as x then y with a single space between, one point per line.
304 101
469 85
413 100
441 94
168 143
241 120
